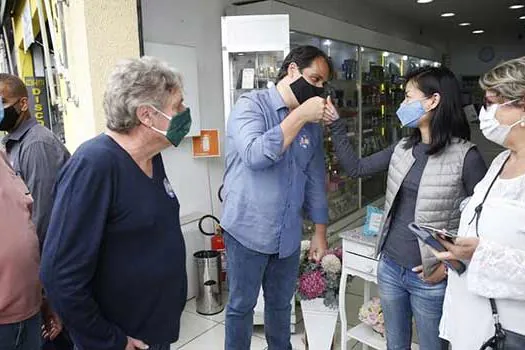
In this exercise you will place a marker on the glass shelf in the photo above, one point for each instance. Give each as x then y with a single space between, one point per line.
253 70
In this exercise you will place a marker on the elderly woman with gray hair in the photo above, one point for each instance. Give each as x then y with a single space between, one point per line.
492 229
113 263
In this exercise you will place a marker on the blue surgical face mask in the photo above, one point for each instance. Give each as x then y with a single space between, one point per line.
411 113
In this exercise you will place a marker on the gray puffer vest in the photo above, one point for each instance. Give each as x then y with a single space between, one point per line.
439 196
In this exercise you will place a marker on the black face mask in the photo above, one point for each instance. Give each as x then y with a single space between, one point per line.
304 91
11 116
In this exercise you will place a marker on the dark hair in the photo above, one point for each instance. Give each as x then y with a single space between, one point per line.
16 86
303 56
448 119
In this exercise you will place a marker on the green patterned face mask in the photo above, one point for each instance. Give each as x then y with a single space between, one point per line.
178 128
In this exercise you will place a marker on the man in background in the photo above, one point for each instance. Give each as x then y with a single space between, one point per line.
34 152
37 156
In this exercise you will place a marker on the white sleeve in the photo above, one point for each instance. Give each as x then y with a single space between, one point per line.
497 271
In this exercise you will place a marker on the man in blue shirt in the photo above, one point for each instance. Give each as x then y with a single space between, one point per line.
274 173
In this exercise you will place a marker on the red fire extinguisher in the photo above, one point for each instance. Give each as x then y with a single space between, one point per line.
217 241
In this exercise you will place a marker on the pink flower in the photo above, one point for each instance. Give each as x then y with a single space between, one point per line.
312 285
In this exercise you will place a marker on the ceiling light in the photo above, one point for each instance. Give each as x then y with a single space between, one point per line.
516 7
479 31
292 32
522 17
362 49
448 14
424 1
327 43
240 54
405 58
464 24
386 54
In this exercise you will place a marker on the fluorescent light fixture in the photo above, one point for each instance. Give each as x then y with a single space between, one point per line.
327 42
516 7
292 32
240 54
522 17
386 54
424 1
478 31
465 24
405 58
448 14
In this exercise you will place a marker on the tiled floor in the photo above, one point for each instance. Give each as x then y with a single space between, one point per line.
207 332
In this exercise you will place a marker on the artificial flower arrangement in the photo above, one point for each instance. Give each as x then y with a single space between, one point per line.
320 279
371 314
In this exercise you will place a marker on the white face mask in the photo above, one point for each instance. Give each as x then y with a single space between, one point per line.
491 128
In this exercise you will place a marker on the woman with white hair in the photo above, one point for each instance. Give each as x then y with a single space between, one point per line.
492 229
113 263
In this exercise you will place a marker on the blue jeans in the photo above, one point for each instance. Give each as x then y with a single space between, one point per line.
247 270
403 295
23 335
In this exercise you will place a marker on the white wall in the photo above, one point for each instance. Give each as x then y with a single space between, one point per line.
465 61
96 41
313 23
367 15
194 23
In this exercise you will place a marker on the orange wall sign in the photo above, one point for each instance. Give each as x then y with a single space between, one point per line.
207 144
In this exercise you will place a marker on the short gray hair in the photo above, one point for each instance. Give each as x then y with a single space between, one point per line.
507 79
136 82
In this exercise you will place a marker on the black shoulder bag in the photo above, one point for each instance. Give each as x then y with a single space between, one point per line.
503 339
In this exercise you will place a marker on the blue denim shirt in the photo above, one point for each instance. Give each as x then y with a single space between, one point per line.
267 190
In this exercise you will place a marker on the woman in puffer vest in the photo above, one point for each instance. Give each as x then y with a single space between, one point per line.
429 175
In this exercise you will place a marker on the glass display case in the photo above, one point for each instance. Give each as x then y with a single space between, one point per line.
373 119
253 49
253 70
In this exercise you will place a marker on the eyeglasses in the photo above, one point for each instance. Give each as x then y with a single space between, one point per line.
489 100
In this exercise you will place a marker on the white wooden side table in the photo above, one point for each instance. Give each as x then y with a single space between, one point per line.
359 261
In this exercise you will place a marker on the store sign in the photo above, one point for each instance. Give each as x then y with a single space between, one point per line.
38 103
27 23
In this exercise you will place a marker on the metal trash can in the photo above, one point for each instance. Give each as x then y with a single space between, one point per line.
209 295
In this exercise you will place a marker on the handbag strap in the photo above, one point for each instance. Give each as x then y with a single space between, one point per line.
495 315
479 208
